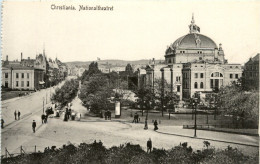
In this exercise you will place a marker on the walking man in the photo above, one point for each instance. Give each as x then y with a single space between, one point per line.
33 126
43 118
109 115
149 145
135 118
155 125
46 119
2 123
19 115
15 114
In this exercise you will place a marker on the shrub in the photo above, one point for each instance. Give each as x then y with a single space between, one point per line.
133 154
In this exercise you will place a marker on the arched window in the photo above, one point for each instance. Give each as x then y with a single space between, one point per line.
195 85
201 84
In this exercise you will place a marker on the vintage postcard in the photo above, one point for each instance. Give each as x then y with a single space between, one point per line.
130 81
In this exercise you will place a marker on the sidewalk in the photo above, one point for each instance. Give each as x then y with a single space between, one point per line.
210 135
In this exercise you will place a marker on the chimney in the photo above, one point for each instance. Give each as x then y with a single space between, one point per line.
28 58
6 57
21 56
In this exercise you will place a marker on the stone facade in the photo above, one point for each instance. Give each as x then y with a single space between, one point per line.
251 73
193 63
26 78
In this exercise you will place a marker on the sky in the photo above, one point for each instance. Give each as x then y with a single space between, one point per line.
132 31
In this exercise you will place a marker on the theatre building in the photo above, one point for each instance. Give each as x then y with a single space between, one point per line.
193 63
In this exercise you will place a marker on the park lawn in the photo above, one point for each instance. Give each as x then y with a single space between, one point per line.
184 119
11 94
176 119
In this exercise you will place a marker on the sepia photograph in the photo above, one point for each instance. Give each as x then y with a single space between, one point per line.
138 82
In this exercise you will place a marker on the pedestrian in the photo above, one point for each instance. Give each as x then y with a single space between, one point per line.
33 126
145 124
155 125
43 118
19 114
109 115
137 118
2 123
149 145
106 114
15 114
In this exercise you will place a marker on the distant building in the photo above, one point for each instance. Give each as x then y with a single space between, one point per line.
54 70
22 78
251 73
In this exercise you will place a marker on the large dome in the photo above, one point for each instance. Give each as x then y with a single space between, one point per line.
194 40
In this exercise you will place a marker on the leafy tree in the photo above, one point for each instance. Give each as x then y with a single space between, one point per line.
163 94
242 105
145 96
129 69
93 69
95 93
66 93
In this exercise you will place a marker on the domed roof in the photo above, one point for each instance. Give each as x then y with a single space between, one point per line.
194 40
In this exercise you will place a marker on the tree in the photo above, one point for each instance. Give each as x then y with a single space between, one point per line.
146 97
242 105
95 93
93 69
129 69
164 94
66 93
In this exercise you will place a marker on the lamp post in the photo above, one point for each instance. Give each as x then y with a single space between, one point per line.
196 101
43 106
195 123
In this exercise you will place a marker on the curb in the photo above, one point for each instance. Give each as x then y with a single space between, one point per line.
225 131
208 139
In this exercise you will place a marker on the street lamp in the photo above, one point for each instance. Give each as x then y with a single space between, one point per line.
195 102
43 105
195 123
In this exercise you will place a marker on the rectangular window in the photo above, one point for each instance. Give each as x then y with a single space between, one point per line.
236 76
22 75
201 75
178 88
231 76
211 83
176 78
17 75
22 85
6 84
28 76
6 75
17 83
196 75
28 83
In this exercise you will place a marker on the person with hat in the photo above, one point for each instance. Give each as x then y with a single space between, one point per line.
33 126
